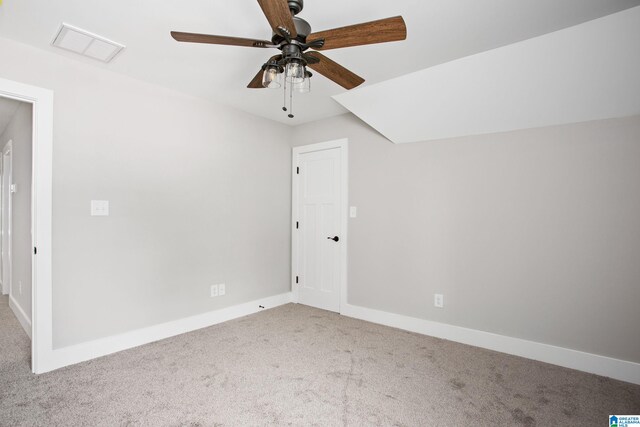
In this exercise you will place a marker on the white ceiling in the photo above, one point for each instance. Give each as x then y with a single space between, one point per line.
8 108
438 32
582 73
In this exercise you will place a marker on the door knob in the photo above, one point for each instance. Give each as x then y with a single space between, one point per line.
334 238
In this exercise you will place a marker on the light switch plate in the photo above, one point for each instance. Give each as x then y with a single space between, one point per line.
99 208
353 211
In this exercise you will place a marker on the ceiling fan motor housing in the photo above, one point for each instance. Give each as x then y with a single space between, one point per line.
303 28
296 6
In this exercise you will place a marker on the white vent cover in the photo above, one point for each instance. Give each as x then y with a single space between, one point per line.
85 43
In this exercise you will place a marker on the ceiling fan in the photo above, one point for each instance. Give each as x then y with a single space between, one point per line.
293 37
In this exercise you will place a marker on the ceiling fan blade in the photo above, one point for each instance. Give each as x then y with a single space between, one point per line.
256 83
334 71
279 16
381 31
223 40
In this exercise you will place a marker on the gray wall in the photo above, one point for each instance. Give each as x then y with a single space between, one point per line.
200 194
19 130
532 234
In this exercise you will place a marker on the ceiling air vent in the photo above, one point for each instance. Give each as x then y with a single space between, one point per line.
87 44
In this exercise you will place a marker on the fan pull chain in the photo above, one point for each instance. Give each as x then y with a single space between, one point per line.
291 100
284 100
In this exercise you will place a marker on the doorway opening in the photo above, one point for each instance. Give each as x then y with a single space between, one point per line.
29 188
319 225
16 144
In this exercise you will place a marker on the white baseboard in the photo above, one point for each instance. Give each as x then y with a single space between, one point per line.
101 347
21 315
587 362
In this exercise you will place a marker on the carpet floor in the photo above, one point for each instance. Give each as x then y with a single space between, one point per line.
296 365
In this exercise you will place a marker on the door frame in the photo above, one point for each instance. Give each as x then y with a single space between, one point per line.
343 146
6 187
42 353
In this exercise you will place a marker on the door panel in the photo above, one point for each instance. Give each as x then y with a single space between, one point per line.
319 209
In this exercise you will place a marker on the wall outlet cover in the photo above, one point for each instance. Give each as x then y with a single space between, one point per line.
222 289
214 291
438 300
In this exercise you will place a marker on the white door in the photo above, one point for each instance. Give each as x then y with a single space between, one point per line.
319 230
6 219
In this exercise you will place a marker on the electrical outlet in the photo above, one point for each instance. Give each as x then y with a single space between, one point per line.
221 289
214 291
438 300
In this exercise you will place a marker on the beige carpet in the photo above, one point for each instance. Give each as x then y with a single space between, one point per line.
296 365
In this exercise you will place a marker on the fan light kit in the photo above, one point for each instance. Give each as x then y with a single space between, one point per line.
293 37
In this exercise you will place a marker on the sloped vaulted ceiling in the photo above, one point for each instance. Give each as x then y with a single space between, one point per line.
582 73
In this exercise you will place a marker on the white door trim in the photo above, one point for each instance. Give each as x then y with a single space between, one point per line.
7 150
42 353
343 145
